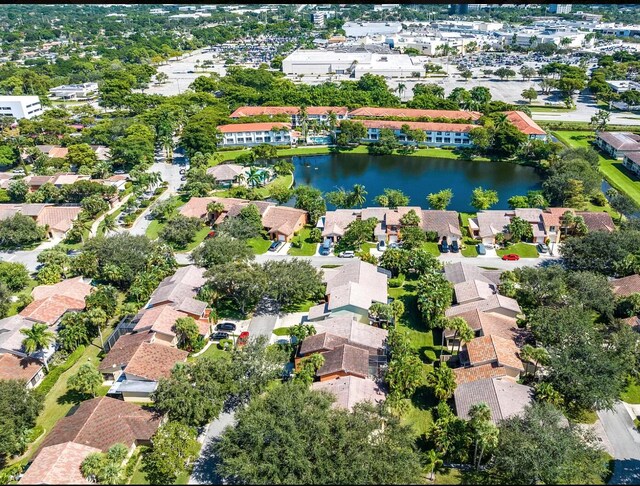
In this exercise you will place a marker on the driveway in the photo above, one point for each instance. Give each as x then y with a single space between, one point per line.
204 469
625 440
29 258
262 325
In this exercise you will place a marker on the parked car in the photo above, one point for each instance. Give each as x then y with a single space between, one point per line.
226 326
243 338
381 246
512 257
346 254
454 246
481 249
74 252
542 248
325 249
118 172
444 246
393 245
182 171
276 245
210 234
183 178
218 336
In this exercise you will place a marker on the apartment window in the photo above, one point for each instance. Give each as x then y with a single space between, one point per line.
241 140
439 133
438 139
447 140
267 139
457 140
373 136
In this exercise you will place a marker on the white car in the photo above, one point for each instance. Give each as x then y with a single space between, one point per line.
347 254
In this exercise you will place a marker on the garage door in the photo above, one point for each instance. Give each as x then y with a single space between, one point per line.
281 238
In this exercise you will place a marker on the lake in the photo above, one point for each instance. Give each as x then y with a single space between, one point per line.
415 176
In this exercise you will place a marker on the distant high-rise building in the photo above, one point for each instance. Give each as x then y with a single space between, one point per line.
560 8
318 19
465 8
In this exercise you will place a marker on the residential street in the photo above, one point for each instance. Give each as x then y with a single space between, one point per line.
27 257
626 444
204 470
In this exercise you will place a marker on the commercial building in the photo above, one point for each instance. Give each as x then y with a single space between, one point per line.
20 106
560 8
317 62
75 91
318 19
362 29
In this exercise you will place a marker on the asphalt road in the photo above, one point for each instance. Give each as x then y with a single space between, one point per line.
626 444
29 258
204 469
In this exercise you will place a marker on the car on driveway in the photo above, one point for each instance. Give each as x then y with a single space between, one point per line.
276 245
210 234
226 326
381 246
219 336
481 249
454 246
346 254
542 248
511 257
444 246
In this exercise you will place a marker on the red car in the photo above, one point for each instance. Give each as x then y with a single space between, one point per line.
211 234
243 338
512 257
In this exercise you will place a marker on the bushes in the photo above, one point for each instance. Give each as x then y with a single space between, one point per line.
394 283
432 236
55 373
225 344
599 199
36 432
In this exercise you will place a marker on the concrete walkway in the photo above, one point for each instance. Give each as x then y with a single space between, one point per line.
94 227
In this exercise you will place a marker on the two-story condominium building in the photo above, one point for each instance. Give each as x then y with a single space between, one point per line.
526 125
372 112
318 113
618 144
250 134
632 162
437 134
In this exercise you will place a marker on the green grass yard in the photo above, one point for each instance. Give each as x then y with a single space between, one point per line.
631 394
431 247
550 109
308 247
282 331
524 250
613 170
200 236
212 352
13 308
259 245
154 228
469 249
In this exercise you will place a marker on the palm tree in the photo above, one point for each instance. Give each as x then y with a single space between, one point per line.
465 334
443 382
97 318
254 176
401 89
500 120
155 178
37 338
485 432
333 120
539 356
109 223
358 195
434 462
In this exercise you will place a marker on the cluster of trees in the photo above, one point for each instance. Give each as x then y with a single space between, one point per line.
589 352
19 409
19 231
14 277
496 136
405 371
270 442
572 178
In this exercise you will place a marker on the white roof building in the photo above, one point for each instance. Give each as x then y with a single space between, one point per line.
20 106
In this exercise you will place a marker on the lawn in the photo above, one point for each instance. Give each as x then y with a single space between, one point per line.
200 236
212 352
259 245
59 401
367 245
264 192
154 228
613 170
431 247
282 331
308 247
550 109
13 308
464 219
524 250
469 249
421 338
631 394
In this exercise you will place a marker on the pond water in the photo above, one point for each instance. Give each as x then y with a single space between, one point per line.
415 176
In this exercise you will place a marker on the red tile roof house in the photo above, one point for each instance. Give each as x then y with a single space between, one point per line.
318 113
351 390
626 286
504 397
445 223
490 223
280 222
369 112
618 144
495 351
95 426
58 219
251 134
161 321
179 291
135 364
526 125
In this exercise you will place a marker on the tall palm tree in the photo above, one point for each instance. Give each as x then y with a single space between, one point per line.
434 462
485 432
465 334
443 382
37 338
333 120
253 176
358 195
401 89
538 356
109 223
500 120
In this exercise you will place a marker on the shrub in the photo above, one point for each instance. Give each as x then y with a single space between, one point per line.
36 432
599 199
396 282
225 344
55 373
315 235
296 242
432 236
145 204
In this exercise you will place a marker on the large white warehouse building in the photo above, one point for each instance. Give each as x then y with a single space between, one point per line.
319 62
20 106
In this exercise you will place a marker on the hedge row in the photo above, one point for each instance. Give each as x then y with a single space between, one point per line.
55 373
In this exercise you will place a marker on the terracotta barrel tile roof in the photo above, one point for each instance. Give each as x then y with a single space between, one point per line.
14 368
467 375
425 126
626 286
347 359
524 123
51 309
254 127
415 113
59 464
